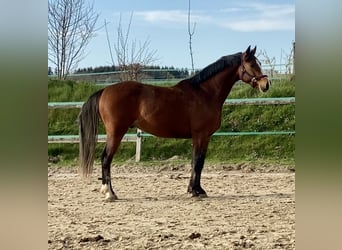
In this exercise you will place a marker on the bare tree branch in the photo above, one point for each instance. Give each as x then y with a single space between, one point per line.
270 62
132 56
109 45
289 62
191 32
71 25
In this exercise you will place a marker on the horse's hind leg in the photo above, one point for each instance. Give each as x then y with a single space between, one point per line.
112 145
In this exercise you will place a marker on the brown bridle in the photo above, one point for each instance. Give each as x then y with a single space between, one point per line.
254 79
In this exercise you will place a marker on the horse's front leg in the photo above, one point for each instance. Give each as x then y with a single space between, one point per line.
198 156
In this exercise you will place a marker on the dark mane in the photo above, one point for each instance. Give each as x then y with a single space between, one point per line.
214 68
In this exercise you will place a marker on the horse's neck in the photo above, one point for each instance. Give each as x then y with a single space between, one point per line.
221 84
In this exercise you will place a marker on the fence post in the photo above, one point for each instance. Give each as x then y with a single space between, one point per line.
294 58
138 146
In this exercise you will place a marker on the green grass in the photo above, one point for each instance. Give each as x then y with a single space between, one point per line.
228 149
69 91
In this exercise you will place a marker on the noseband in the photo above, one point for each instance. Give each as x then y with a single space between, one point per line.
254 79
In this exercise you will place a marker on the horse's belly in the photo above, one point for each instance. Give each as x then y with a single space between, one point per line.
168 130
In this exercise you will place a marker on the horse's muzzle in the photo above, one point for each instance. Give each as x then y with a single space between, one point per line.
264 88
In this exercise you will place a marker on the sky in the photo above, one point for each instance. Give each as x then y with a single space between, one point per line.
222 28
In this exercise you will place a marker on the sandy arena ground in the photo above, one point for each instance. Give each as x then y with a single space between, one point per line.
247 208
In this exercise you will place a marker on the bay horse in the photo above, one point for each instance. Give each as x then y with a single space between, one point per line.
190 109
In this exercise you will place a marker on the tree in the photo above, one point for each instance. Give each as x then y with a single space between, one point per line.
289 62
191 32
71 25
131 56
269 61
50 72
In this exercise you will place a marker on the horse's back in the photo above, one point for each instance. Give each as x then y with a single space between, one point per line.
162 111
121 90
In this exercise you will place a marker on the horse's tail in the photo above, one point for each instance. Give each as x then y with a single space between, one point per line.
88 121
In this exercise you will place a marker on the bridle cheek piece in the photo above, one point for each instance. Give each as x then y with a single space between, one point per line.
254 79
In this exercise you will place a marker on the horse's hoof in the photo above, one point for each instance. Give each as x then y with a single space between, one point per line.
110 197
199 196
197 192
109 194
202 195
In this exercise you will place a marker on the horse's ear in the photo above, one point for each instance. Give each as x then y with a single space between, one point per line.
253 51
248 50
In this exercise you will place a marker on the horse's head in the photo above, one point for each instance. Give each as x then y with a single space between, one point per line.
250 71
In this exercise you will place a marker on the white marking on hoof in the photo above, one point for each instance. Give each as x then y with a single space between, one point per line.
104 189
109 195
